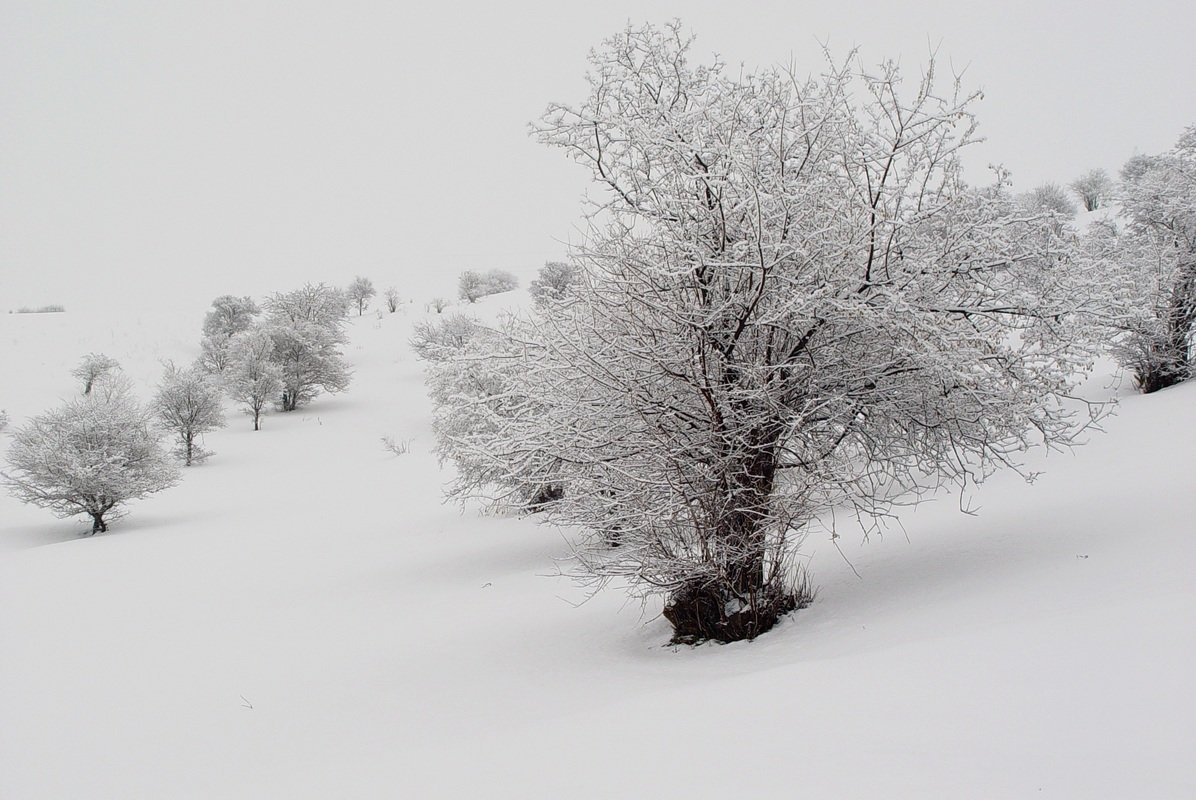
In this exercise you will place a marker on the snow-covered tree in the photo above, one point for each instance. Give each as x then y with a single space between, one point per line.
1156 258
89 457
253 378
791 305
470 286
554 281
92 367
188 405
443 339
1095 188
213 354
307 327
360 292
473 286
438 304
1050 197
229 315
471 378
392 299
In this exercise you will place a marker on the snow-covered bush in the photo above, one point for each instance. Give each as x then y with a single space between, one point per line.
392 299
473 286
437 304
477 403
794 305
1095 189
360 292
253 377
92 367
1050 197
187 404
444 338
3 419
89 457
1155 259
307 327
554 282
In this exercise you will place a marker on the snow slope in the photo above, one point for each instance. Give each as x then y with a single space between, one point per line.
303 618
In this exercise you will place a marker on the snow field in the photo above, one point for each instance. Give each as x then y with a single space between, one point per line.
302 617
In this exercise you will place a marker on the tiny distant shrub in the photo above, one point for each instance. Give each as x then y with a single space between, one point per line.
437 304
51 309
1094 188
392 299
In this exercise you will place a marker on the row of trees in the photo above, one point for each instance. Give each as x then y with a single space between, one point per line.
791 308
98 452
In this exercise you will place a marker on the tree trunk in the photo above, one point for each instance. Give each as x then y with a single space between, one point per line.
741 602
189 441
257 413
97 523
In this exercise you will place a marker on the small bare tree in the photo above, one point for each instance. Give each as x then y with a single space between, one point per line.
360 291
253 379
188 405
392 299
92 367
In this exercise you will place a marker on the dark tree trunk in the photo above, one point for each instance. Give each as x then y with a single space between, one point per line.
546 494
97 523
743 601
189 442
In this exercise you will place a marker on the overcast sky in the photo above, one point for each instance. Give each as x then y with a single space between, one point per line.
244 147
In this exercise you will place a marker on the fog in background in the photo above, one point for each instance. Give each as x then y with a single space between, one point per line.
184 150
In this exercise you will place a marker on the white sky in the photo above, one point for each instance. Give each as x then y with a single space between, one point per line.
155 148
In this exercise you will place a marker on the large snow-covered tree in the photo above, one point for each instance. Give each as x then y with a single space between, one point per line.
89 457
188 405
308 329
791 305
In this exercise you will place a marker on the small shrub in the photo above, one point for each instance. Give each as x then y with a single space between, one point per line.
554 282
1051 197
397 446
1094 188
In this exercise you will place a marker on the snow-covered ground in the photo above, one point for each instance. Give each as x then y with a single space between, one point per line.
303 618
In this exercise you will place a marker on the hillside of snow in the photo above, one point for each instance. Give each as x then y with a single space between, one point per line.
302 617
